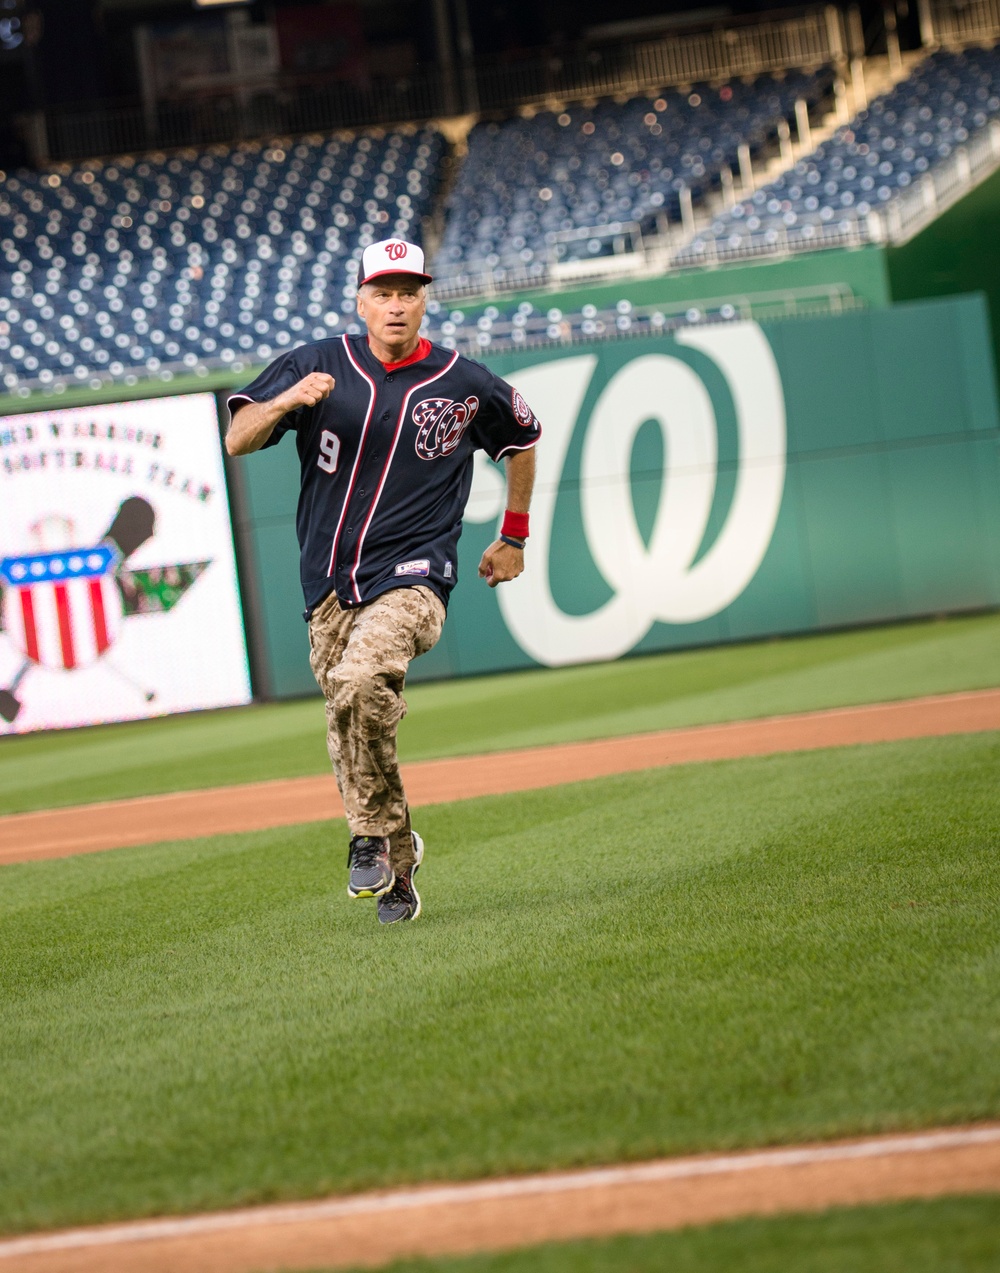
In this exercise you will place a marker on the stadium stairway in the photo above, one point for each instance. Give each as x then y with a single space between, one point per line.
845 189
563 185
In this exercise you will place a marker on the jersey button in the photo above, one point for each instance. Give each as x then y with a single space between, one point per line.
362 491
386 415
388 378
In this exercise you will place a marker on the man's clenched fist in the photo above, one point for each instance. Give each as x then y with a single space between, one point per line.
500 563
309 390
253 422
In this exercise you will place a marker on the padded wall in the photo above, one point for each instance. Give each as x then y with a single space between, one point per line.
735 482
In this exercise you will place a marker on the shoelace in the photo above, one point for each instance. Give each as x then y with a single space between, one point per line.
401 889
365 852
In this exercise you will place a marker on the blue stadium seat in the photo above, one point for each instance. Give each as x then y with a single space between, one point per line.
866 164
157 264
161 263
528 184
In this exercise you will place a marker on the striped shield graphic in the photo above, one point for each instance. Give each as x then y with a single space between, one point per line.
62 610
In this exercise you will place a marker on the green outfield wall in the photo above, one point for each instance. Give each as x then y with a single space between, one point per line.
863 272
729 483
955 254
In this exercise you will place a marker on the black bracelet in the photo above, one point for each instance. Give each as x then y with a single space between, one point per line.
514 543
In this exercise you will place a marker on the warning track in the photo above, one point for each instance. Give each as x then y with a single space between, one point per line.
183 815
370 1230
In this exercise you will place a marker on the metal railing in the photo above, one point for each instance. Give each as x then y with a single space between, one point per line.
907 214
543 330
82 133
941 188
956 25
806 40
538 331
774 242
620 236
657 255
493 283
622 240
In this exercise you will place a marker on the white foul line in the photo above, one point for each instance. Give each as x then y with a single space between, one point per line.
491 1190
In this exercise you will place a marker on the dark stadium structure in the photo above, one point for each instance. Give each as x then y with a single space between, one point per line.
727 139
201 259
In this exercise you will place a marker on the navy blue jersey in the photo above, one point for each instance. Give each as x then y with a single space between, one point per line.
387 462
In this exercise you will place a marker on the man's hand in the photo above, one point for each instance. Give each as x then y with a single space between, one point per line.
253 423
309 390
500 563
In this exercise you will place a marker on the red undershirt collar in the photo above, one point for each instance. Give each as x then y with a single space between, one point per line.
419 354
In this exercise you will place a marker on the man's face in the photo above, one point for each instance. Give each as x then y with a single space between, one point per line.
393 307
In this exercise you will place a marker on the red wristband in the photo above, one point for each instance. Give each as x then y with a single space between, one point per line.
515 525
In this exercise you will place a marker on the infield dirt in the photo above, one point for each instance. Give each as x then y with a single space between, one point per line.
371 1230
185 815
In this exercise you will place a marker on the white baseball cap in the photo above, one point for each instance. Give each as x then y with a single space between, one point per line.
392 256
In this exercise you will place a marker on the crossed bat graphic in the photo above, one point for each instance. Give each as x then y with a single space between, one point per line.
142 591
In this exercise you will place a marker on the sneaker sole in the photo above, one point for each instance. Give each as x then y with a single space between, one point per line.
418 845
370 892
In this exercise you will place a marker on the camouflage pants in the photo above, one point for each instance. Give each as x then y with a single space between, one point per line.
359 659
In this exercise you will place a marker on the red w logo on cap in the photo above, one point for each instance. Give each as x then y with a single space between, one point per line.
396 251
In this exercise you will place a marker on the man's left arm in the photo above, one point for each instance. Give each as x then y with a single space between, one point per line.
503 561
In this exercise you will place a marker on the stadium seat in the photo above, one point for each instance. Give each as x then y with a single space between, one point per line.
868 163
561 186
158 264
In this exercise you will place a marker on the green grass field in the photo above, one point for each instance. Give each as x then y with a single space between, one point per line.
745 953
516 710
953 1235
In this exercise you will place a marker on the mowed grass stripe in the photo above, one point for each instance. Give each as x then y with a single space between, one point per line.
950 1235
736 954
524 709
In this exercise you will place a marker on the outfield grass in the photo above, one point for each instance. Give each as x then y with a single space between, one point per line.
952 1235
517 710
743 953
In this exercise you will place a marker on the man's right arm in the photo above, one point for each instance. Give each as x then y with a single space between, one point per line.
254 422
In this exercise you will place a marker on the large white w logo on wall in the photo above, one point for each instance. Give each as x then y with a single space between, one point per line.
662 581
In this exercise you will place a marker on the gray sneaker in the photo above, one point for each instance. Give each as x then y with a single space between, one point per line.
368 860
402 901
